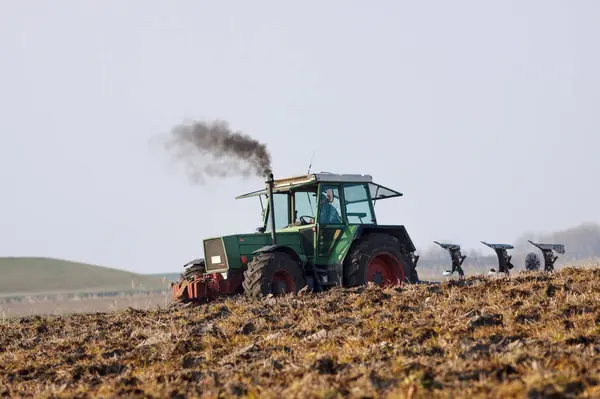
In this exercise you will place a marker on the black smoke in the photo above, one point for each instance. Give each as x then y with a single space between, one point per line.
212 149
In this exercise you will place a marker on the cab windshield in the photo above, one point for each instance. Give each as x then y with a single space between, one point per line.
305 209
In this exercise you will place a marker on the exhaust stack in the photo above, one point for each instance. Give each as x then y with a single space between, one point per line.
270 183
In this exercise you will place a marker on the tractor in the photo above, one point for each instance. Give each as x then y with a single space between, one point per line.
319 230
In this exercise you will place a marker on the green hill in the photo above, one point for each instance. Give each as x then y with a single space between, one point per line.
45 275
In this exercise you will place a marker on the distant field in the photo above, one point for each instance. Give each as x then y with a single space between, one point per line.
46 276
60 306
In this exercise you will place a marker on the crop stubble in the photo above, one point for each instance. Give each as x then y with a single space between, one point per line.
526 336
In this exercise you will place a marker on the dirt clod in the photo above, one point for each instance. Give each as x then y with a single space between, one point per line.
485 320
246 329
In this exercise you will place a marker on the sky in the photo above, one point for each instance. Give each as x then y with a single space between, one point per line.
484 114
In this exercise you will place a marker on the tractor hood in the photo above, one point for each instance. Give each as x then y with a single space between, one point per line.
233 252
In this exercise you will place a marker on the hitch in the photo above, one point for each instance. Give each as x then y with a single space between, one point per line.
205 287
457 259
414 277
548 252
504 264
415 258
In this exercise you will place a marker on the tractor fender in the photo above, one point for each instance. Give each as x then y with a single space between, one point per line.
278 248
397 231
199 261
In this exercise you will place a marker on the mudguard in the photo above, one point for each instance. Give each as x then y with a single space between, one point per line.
398 231
275 248
199 261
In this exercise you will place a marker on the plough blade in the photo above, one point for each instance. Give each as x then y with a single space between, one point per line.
548 253
504 259
457 259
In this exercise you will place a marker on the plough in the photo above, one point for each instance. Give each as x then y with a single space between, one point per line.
504 259
532 262
457 259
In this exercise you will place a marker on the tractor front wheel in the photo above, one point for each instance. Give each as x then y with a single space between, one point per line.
272 273
377 258
198 268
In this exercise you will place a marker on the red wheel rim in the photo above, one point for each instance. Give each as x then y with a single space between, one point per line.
282 283
385 269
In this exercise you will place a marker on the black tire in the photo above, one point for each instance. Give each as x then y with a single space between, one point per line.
195 269
267 270
379 250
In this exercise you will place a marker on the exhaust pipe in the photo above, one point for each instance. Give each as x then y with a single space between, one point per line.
270 184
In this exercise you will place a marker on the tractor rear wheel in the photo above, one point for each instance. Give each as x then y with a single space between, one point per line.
377 258
272 273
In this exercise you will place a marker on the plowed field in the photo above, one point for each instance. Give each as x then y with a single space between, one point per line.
526 336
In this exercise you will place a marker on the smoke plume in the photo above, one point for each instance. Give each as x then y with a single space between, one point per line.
212 149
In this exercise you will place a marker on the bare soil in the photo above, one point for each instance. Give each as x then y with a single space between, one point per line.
531 335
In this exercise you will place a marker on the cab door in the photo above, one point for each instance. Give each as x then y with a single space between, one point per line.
330 222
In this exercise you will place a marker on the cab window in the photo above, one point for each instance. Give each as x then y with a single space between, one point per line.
282 212
329 205
358 204
305 203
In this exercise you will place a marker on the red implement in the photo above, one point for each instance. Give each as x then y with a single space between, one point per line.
207 286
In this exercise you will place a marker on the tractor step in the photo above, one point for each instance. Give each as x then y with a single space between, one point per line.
318 278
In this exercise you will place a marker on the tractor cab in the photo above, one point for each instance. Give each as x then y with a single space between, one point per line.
324 209
322 199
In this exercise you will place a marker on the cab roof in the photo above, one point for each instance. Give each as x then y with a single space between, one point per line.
288 183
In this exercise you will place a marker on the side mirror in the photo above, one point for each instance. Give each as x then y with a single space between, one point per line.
260 229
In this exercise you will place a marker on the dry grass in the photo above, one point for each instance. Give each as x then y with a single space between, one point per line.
527 336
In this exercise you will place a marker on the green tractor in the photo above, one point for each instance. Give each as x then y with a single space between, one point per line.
319 230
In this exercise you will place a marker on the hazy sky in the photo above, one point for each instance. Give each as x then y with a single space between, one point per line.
484 114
